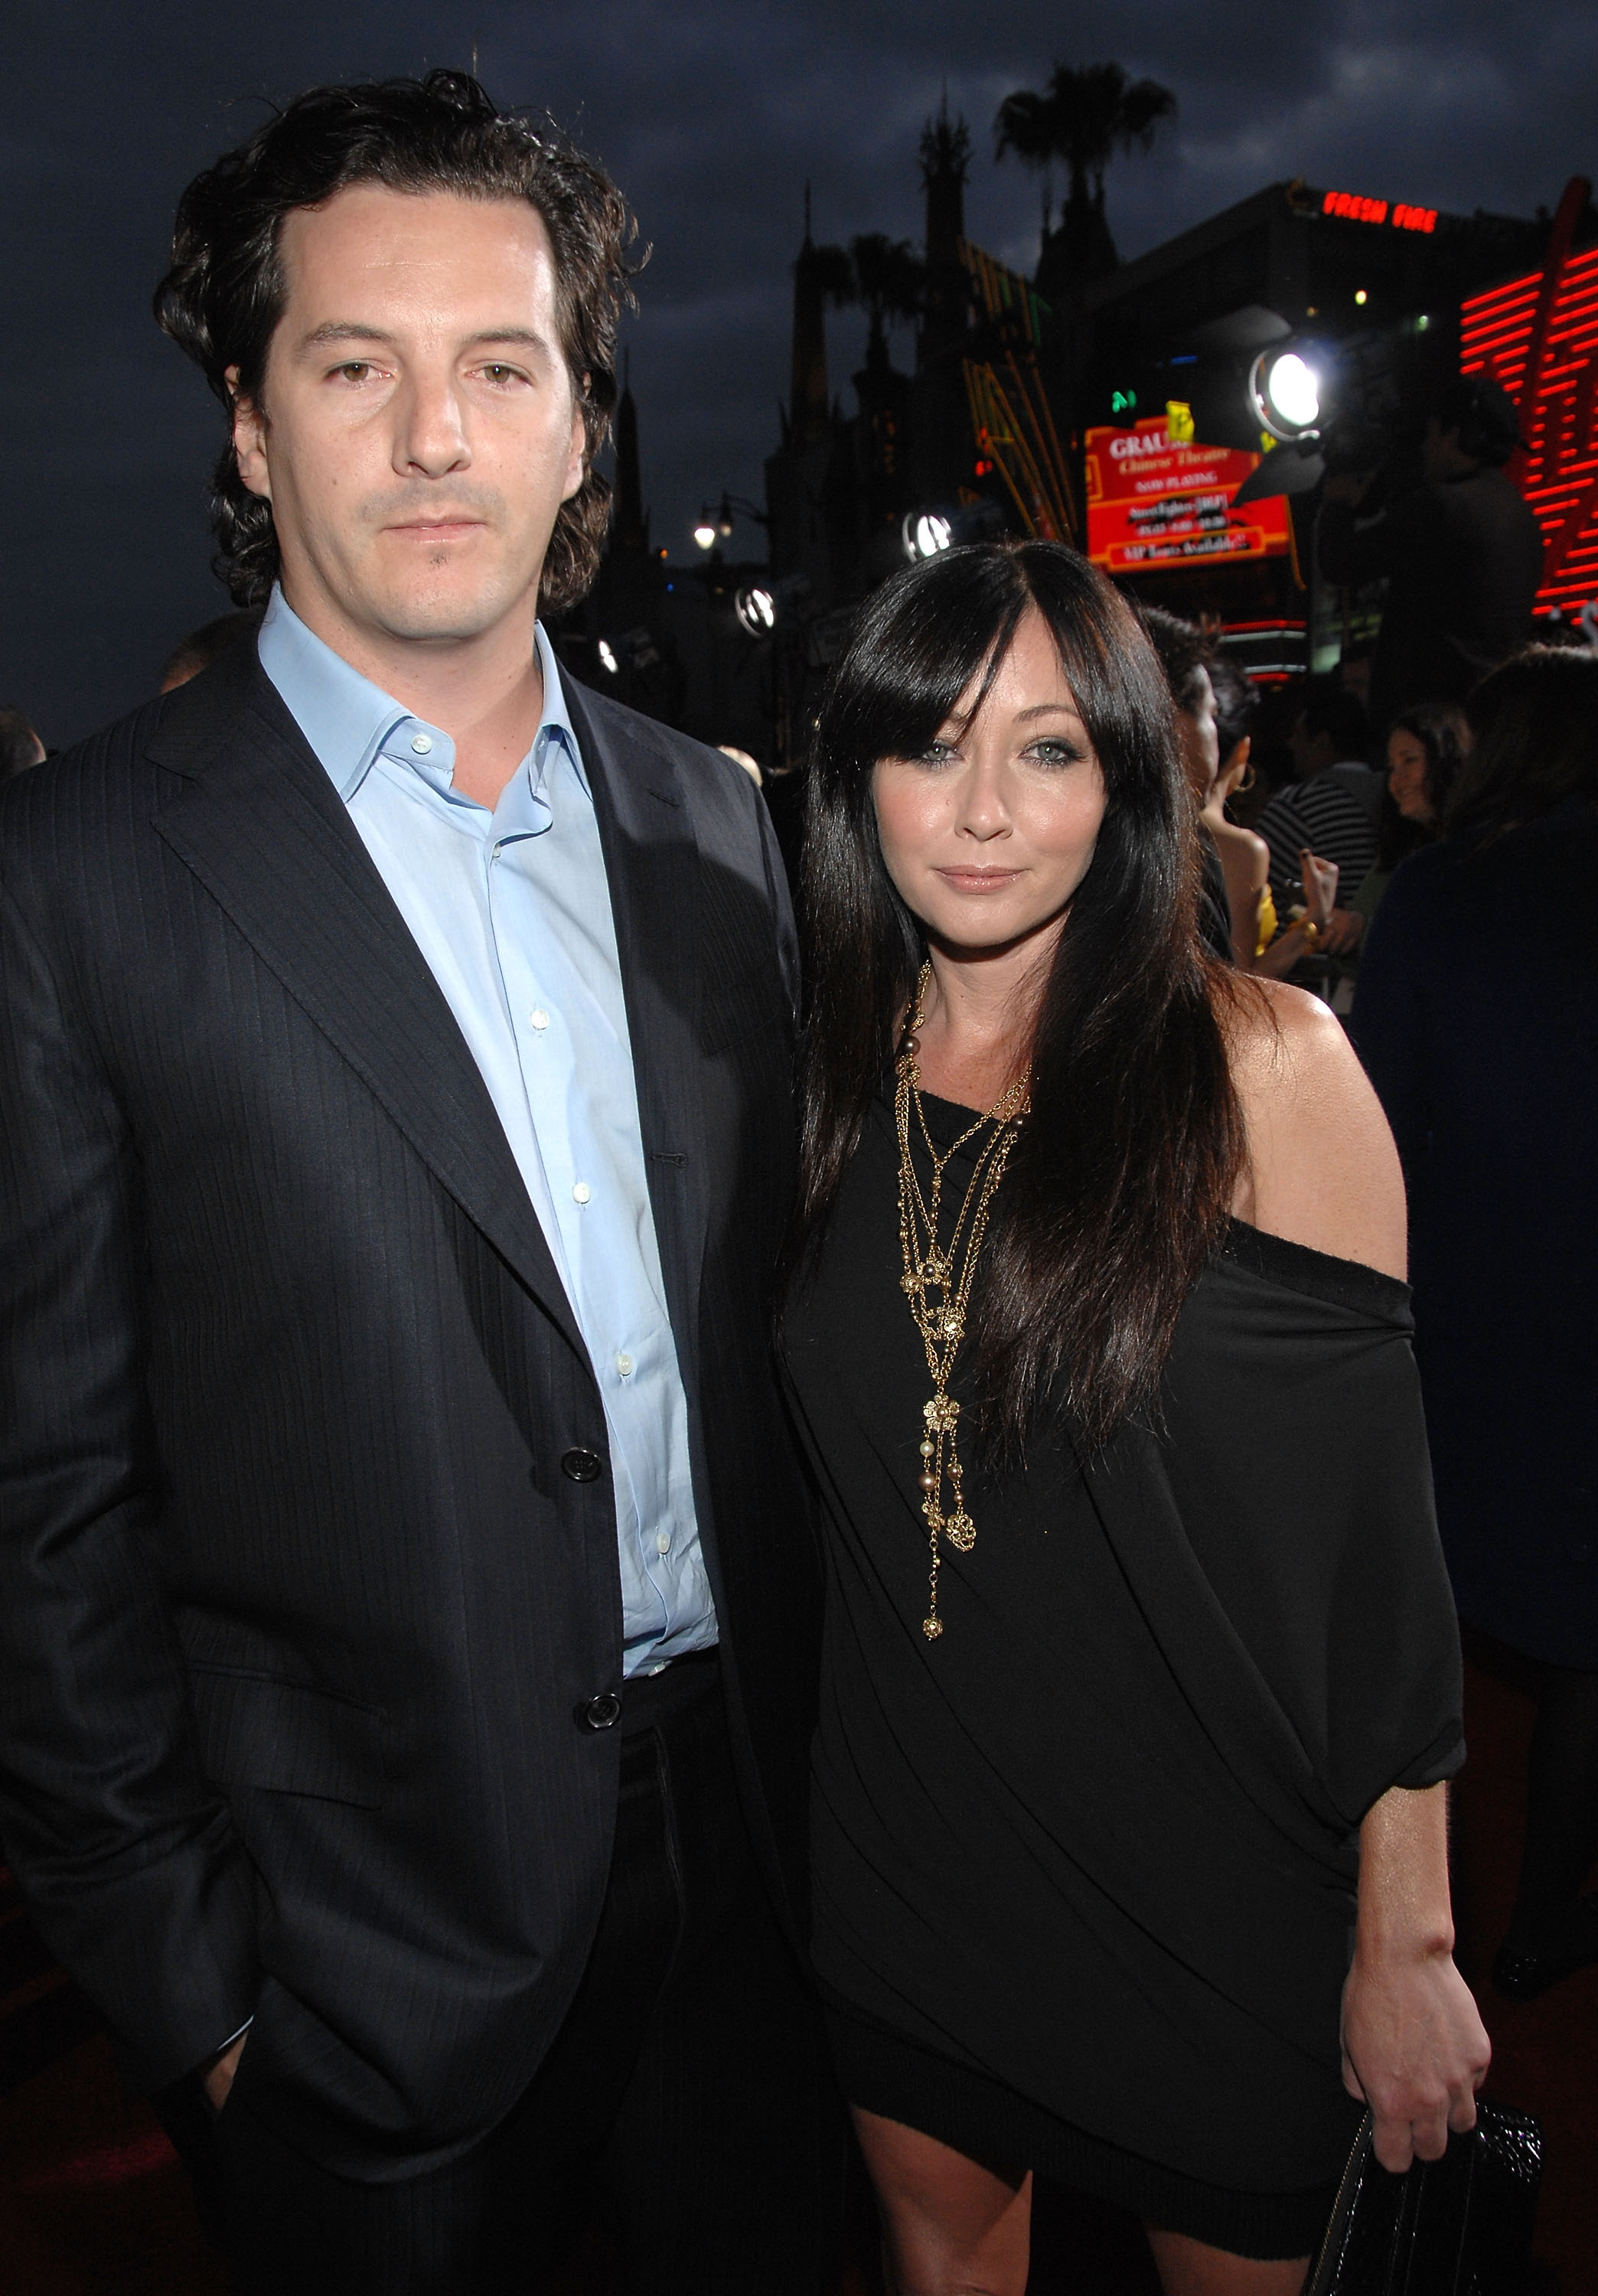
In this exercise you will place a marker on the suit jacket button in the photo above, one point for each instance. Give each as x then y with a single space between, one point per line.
601 1713
582 1466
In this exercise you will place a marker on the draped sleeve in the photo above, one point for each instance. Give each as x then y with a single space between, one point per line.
1299 1576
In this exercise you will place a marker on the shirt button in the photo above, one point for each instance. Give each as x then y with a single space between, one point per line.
662 1542
538 1018
581 1193
422 743
624 1365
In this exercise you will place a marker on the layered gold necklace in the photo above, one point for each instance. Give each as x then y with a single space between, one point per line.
937 1281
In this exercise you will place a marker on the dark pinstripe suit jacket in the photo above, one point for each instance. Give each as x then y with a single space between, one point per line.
296 1602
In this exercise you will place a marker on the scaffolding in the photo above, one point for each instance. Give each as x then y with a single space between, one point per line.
1011 420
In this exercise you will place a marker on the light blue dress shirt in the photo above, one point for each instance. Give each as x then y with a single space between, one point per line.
511 910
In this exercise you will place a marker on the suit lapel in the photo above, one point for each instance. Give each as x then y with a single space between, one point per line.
652 863
264 830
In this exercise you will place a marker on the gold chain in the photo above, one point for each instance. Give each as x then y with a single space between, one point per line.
938 1283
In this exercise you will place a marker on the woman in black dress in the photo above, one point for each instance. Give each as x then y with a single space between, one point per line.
1141 1673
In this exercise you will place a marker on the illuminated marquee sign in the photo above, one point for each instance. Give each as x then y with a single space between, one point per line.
1153 500
1352 208
1539 337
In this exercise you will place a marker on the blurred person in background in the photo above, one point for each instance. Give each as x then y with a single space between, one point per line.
1425 750
1477 1018
1262 942
206 645
20 746
751 765
1245 858
1214 711
1334 801
1184 655
1462 552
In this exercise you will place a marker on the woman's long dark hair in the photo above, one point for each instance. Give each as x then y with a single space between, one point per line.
1121 1178
1536 727
1443 731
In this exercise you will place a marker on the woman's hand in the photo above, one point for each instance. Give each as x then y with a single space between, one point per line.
1415 2049
1320 886
1343 932
1304 934
1415 2046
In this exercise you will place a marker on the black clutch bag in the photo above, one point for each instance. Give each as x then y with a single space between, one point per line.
1457 2226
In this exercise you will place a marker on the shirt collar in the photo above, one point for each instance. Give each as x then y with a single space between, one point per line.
348 721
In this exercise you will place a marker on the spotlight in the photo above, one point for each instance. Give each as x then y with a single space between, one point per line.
945 525
757 612
607 658
924 533
764 608
1284 391
704 533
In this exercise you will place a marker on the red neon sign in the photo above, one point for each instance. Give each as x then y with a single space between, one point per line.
1539 337
1352 208
1154 501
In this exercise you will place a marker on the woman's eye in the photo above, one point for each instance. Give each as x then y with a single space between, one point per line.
937 753
1055 753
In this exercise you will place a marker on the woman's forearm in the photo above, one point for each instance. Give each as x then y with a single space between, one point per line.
1403 1901
1291 945
1414 2045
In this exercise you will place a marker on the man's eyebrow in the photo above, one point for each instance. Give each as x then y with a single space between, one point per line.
343 331
355 331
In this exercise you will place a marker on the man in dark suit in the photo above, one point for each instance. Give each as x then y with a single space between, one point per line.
407 1603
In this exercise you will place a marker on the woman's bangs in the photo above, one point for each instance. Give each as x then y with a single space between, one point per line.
924 639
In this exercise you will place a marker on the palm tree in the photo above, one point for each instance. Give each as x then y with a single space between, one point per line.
886 279
1086 114
1029 124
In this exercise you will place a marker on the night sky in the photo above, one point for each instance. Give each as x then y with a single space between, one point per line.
712 117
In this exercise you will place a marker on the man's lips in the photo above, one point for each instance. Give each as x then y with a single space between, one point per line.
435 528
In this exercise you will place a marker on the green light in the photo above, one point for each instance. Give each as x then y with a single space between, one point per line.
1122 402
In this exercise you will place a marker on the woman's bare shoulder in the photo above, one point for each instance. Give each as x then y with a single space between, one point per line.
1241 840
1321 1167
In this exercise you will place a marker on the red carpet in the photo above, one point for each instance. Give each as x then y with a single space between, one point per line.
92 2203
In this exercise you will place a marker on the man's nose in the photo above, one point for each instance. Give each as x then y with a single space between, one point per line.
431 437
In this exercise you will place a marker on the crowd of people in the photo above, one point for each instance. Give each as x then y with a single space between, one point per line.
614 1537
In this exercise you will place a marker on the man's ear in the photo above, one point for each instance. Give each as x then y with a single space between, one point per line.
248 439
576 467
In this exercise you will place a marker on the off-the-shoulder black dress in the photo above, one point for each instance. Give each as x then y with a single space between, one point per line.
1086 1864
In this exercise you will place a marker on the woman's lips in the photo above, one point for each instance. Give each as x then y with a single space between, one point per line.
978 881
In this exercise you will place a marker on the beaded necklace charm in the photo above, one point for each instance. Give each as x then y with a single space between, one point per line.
938 1282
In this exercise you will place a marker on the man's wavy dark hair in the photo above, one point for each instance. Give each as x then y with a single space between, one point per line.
224 295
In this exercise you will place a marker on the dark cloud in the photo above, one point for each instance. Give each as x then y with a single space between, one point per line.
714 116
